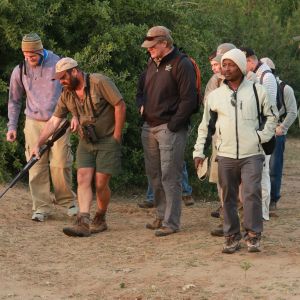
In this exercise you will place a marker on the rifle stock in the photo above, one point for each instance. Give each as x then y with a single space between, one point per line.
56 135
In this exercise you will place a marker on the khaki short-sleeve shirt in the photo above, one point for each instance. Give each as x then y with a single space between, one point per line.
101 113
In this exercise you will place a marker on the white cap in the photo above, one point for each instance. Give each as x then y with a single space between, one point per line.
268 61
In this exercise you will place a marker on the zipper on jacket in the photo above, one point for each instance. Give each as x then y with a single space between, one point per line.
234 103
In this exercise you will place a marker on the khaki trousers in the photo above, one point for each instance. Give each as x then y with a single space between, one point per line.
59 160
266 188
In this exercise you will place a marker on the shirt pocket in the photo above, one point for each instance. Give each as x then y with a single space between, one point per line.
249 109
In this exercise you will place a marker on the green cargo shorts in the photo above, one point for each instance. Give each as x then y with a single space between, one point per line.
104 156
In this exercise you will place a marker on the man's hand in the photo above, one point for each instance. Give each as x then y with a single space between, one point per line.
11 135
74 124
118 138
48 130
35 152
141 110
198 161
279 130
120 114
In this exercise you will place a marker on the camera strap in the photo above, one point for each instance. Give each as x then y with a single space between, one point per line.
88 87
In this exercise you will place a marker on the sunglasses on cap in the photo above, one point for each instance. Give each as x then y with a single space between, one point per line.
152 38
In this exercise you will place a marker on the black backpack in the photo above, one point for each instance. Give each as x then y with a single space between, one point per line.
280 93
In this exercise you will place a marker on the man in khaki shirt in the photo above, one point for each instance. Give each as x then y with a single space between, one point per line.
99 111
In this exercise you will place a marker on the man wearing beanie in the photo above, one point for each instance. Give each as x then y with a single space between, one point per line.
239 152
33 78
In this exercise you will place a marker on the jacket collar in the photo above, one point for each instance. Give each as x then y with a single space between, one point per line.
242 82
169 56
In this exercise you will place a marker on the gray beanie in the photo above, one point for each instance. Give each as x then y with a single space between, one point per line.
238 57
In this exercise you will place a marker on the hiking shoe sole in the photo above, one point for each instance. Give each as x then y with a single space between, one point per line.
164 231
70 232
231 250
253 249
145 205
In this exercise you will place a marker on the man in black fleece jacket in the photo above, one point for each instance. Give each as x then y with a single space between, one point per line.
169 99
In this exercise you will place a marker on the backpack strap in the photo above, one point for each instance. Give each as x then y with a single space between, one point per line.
263 75
281 87
257 106
176 62
22 66
198 75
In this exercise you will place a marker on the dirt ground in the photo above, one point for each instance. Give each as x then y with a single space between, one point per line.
37 261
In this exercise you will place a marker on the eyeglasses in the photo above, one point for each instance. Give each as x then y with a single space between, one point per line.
152 38
233 99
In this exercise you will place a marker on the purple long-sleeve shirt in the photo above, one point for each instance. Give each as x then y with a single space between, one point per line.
41 92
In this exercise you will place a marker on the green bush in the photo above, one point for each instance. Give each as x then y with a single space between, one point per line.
105 36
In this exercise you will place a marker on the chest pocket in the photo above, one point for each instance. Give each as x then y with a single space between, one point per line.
248 107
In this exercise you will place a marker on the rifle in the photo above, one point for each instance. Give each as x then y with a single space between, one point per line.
56 135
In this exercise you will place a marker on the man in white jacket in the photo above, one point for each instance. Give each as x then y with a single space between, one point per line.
232 112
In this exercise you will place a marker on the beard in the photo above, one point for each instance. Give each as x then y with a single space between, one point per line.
74 82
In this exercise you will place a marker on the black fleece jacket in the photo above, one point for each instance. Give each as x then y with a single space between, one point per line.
168 96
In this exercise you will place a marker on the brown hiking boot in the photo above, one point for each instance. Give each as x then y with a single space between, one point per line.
232 243
81 228
164 231
155 225
216 213
272 206
188 200
253 241
98 224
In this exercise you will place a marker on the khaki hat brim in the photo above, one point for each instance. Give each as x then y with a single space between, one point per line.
149 44
59 75
202 171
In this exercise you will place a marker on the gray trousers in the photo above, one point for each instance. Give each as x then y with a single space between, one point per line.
247 171
164 157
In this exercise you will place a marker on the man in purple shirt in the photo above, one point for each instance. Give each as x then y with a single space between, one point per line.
33 78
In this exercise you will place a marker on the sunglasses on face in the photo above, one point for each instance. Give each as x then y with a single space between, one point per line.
152 38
